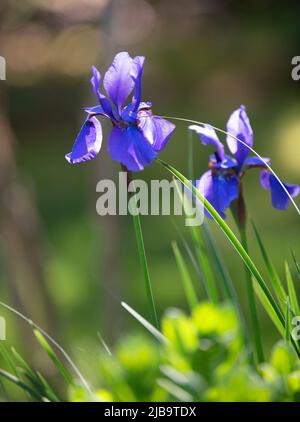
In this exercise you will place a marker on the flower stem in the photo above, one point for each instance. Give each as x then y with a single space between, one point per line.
142 254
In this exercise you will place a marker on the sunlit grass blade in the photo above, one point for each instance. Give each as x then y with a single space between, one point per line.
291 290
154 331
202 258
296 265
174 390
287 321
267 295
55 359
104 344
144 264
276 282
22 385
192 257
186 278
8 358
274 316
57 346
38 382
228 287
204 264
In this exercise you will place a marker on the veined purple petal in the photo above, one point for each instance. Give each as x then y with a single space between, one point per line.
88 142
129 147
209 136
280 199
96 110
156 129
239 126
105 103
220 190
256 162
118 81
136 74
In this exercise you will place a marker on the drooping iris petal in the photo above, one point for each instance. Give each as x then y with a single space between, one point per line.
105 103
256 161
280 199
129 147
88 142
156 129
219 189
209 136
239 126
118 81
136 74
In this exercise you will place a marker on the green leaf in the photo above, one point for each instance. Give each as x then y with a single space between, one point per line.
143 261
55 359
185 276
292 291
154 331
22 385
263 289
276 282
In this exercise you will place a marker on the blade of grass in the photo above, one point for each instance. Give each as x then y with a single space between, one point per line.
291 290
55 359
202 258
58 347
143 261
204 264
252 303
235 243
228 287
288 321
22 385
296 264
188 286
154 331
276 283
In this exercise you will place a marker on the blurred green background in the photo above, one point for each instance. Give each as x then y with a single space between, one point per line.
61 264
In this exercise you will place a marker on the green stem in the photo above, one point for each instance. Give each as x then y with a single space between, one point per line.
144 265
142 253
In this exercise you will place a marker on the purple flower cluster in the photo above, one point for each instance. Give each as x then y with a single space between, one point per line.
220 185
136 136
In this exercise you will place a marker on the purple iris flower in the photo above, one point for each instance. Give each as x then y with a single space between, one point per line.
221 184
136 135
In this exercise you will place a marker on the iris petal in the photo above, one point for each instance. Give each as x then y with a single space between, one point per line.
220 190
156 129
129 147
88 142
209 136
239 126
136 74
118 81
256 162
105 103
280 199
